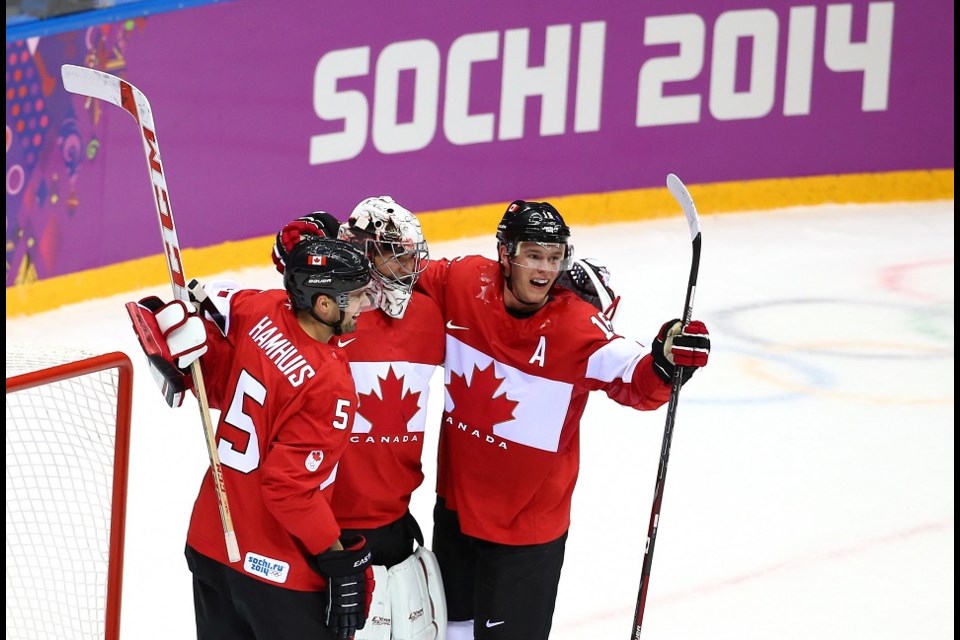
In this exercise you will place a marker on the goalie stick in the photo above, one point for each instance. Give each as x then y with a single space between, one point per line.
682 196
91 83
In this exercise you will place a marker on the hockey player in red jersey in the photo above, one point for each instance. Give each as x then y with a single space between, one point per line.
521 359
286 401
393 354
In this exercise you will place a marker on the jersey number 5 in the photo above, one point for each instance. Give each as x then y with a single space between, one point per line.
248 459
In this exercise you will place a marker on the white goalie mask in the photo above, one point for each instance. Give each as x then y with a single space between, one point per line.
393 240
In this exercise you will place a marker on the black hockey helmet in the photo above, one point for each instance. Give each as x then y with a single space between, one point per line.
533 222
325 266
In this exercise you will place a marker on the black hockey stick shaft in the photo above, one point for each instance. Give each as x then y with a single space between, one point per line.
682 196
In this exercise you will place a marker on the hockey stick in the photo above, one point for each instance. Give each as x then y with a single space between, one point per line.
682 196
103 86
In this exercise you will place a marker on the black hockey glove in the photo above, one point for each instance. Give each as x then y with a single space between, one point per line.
350 584
318 223
689 348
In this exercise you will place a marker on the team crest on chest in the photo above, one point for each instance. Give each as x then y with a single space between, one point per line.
389 408
484 384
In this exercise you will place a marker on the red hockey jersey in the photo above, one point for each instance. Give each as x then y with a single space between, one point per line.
516 389
286 402
392 360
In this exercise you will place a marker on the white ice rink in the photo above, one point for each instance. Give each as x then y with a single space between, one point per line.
810 492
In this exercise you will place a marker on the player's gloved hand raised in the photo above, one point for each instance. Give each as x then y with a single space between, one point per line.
590 280
350 584
687 347
172 337
318 223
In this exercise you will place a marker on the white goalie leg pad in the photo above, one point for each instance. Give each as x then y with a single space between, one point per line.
417 601
377 626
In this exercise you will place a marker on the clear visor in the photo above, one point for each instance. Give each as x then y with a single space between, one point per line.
543 256
399 262
364 299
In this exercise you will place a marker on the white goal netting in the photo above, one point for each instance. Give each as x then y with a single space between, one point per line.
67 435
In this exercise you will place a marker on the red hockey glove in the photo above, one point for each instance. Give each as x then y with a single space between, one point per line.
172 339
692 347
689 348
350 584
318 223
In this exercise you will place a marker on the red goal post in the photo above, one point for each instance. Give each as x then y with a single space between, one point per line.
67 445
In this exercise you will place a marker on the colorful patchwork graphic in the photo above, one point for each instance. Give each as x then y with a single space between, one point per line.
48 142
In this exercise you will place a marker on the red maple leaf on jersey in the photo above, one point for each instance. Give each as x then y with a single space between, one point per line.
389 412
480 404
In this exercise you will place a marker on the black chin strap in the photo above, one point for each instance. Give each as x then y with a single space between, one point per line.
337 326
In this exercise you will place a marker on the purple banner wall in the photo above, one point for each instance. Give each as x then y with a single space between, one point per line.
265 111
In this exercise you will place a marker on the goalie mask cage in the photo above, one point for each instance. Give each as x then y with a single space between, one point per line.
68 429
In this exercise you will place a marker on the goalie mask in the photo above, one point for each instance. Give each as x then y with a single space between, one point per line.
392 239
536 222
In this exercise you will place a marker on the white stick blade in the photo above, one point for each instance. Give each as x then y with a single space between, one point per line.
682 196
84 81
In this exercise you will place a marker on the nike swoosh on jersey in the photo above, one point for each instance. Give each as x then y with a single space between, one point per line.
343 343
494 624
450 325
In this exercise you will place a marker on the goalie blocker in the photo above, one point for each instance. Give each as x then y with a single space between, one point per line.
172 339
408 601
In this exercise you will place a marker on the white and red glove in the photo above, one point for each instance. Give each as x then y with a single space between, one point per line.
687 347
318 223
172 337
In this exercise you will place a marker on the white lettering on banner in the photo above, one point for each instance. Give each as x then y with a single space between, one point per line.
871 57
389 135
519 81
727 102
799 72
743 80
761 27
349 106
458 125
586 115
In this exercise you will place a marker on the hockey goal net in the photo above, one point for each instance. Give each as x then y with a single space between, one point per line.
68 427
